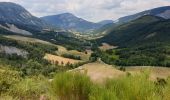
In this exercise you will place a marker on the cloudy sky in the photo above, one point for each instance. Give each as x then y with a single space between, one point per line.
92 10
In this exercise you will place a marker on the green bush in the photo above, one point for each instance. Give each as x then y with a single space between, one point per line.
69 86
7 79
71 56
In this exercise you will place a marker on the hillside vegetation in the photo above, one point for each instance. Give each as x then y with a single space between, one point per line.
119 61
142 42
69 86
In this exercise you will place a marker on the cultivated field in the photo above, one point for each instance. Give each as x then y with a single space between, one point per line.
60 60
62 50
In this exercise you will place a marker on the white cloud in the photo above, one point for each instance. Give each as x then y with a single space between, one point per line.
93 10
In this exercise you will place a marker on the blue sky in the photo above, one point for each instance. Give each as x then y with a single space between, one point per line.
92 10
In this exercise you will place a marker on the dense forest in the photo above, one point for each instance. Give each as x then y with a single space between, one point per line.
147 55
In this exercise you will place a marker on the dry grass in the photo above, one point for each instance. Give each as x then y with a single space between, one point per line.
106 46
62 50
99 71
53 59
27 39
155 72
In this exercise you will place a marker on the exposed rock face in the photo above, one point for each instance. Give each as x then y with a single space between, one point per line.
13 50
165 14
15 29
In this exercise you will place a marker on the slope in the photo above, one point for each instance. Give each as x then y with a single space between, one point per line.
163 12
71 22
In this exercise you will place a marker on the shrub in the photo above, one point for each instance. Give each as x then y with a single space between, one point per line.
69 86
71 56
7 79
122 69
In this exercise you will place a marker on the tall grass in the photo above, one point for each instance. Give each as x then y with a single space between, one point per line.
133 88
67 86
74 86
30 88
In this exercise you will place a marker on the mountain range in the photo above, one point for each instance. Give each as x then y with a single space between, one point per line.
146 29
12 13
16 18
70 22
163 12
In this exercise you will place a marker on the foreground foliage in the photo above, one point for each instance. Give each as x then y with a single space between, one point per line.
75 86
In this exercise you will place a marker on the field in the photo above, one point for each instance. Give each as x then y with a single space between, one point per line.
99 71
60 60
155 72
61 50
84 56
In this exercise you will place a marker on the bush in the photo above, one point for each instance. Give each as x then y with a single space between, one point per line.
71 56
69 86
8 79
122 69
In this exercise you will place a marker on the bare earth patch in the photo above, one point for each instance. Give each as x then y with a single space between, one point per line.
61 60
106 46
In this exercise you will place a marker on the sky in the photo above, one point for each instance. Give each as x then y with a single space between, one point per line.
91 10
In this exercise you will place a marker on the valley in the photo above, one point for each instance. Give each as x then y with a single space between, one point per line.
65 57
